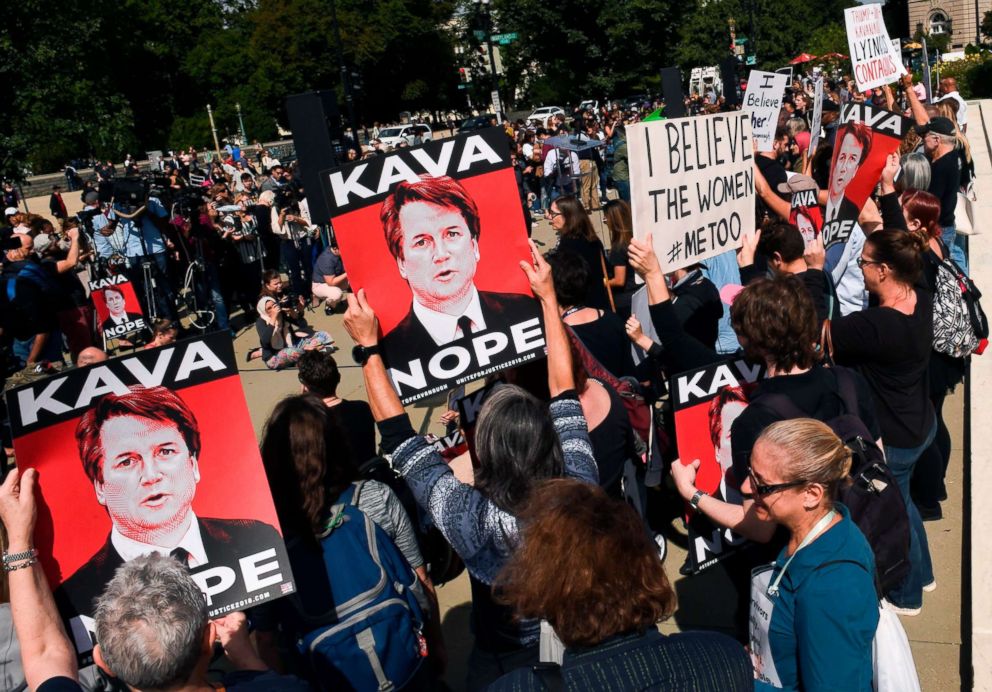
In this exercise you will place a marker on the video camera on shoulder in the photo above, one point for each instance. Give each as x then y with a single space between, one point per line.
286 198
130 193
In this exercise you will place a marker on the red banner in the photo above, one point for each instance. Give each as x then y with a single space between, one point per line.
136 456
117 308
435 235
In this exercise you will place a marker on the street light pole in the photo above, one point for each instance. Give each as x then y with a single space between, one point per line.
213 128
489 43
349 98
241 124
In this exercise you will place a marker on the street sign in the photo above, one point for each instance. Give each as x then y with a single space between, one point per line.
751 60
740 40
497 106
479 35
504 39
461 86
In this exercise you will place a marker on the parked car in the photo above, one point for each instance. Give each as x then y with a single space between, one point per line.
541 116
391 136
589 105
476 123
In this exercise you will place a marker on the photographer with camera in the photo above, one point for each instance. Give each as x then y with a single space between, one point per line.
283 335
296 235
131 239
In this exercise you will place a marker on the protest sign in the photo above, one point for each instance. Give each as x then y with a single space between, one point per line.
435 235
805 214
692 185
117 308
151 452
873 59
865 138
763 101
706 403
816 121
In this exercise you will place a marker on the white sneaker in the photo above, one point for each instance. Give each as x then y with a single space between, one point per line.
932 586
909 612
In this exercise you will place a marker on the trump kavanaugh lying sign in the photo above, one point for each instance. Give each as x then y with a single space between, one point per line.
692 185
150 452
435 235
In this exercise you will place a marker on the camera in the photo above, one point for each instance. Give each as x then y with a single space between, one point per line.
286 198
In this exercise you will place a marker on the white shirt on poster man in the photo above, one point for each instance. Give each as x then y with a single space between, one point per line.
191 542
443 327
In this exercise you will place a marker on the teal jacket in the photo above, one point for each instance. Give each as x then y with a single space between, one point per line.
826 613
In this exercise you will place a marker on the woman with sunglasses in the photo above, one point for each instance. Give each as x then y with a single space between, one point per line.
890 344
814 611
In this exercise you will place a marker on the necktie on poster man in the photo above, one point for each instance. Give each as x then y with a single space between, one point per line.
136 457
692 185
435 235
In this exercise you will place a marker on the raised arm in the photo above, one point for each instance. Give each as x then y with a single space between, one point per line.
45 650
559 352
915 107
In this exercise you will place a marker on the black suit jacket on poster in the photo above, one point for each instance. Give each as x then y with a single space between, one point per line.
410 340
131 317
225 541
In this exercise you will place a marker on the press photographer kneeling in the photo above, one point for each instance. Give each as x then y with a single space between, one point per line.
283 333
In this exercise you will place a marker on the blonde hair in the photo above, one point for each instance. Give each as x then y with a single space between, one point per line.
948 108
810 451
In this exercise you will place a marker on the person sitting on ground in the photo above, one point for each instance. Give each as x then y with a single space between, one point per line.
605 610
283 341
518 441
329 278
318 374
151 620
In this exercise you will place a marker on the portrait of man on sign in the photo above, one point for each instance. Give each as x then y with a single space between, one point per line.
141 452
432 230
853 144
119 320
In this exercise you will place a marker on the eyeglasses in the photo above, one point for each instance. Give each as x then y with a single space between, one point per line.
554 213
760 489
862 262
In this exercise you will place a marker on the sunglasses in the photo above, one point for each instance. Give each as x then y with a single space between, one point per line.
862 262
761 489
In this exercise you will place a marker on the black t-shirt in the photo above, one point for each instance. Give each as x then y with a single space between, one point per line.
620 257
359 426
945 177
612 443
698 306
891 350
774 173
607 340
263 219
592 252
59 684
814 392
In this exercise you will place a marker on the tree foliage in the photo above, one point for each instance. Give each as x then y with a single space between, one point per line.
105 78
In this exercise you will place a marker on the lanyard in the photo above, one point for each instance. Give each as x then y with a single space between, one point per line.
572 310
810 537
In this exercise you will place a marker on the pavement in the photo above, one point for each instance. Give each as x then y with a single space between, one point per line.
935 635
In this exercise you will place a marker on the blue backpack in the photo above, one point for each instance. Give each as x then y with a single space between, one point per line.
372 639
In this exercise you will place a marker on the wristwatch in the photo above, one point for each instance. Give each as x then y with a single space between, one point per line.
361 354
696 497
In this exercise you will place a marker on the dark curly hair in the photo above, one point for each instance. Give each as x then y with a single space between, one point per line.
775 320
567 570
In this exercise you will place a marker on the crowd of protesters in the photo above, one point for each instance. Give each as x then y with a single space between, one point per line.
553 553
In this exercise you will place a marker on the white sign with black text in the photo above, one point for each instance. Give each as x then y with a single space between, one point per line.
692 185
763 101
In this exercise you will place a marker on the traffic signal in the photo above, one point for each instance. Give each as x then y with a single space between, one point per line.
464 75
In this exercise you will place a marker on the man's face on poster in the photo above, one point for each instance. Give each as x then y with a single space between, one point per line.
115 302
806 227
728 414
439 254
846 164
149 476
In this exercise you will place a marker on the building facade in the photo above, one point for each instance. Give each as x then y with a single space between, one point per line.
958 18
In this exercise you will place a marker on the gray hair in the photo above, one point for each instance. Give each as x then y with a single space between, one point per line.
517 446
915 172
150 622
